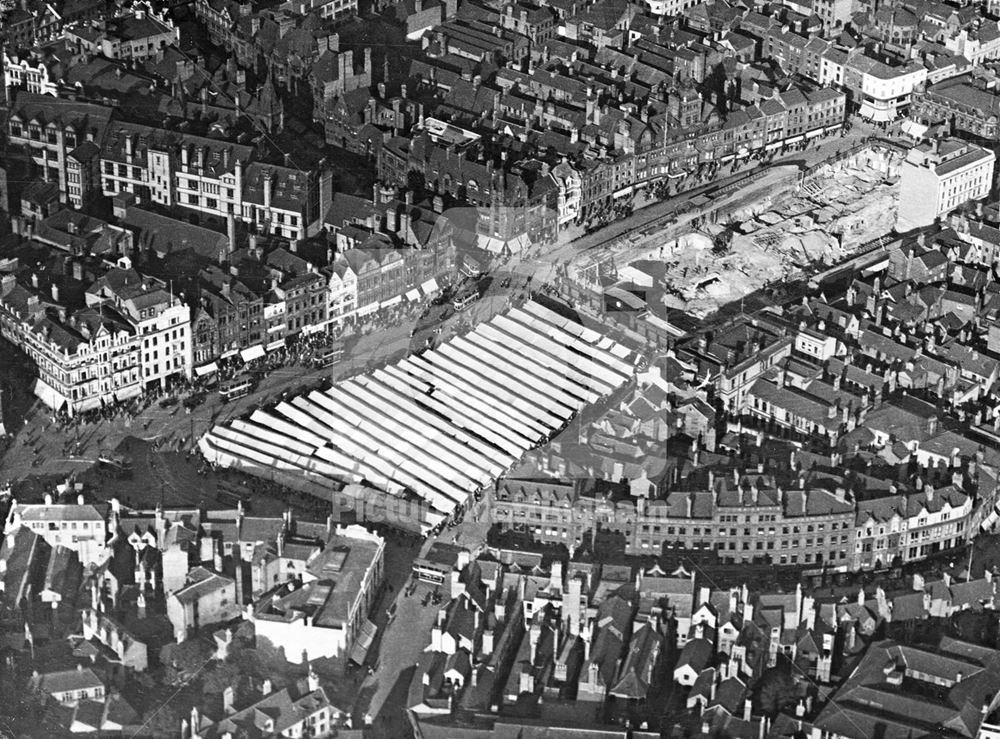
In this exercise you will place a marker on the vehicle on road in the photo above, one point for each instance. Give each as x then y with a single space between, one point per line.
115 463
238 387
464 302
329 355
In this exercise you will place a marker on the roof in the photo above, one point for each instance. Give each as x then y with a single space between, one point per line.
201 582
942 689
62 511
165 235
82 678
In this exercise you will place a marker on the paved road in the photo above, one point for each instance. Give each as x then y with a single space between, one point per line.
405 638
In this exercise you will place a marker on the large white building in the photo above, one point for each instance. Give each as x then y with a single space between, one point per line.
939 176
28 74
881 92
209 176
162 322
80 526
328 614
84 358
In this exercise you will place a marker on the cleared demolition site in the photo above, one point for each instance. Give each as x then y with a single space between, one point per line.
787 224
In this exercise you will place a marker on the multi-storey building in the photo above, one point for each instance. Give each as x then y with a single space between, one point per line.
969 104
305 300
342 296
210 176
298 710
939 176
906 528
84 358
28 24
341 581
737 355
741 518
229 317
29 74
62 138
880 92
162 322
82 527
137 34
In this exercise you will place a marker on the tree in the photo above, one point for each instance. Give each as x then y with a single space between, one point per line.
776 689
162 721
181 662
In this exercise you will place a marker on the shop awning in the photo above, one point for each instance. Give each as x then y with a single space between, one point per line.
413 295
251 353
878 115
230 353
772 147
88 405
814 133
313 329
392 301
206 369
727 157
430 286
48 395
363 642
279 344
794 139
912 128
366 310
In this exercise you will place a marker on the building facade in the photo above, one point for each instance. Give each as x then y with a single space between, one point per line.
938 177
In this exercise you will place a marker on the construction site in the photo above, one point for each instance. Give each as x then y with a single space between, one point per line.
786 225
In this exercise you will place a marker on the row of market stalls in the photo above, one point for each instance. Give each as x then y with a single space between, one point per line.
441 425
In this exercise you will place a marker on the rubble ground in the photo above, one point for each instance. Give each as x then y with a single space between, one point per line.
830 215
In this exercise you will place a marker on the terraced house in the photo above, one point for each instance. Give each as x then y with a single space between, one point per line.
742 518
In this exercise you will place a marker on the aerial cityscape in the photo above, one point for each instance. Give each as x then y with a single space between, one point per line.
500 369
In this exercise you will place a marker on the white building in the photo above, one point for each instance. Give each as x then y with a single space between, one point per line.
881 92
138 34
28 74
79 526
327 615
670 7
209 176
342 293
84 359
69 687
977 45
162 321
299 710
570 193
206 598
937 177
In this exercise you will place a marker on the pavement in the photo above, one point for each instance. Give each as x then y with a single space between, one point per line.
407 635
567 251
39 448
